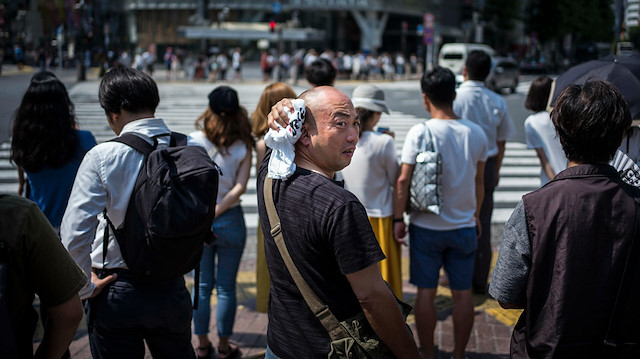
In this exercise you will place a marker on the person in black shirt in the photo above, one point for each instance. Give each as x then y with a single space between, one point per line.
328 236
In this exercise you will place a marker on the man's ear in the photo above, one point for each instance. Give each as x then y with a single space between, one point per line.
305 139
427 103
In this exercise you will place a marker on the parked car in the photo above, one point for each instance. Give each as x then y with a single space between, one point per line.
534 65
504 74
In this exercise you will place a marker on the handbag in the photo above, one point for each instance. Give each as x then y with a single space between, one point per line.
425 188
350 338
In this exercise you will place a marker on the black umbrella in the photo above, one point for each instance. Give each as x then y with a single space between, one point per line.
623 72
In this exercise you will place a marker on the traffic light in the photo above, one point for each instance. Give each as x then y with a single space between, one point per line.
272 26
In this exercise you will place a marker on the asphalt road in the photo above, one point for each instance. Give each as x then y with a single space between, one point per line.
406 99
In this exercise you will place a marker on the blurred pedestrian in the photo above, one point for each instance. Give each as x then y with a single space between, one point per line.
540 133
371 176
167 57
225 132
33 261
320 73
476 103
223 65
572 246
270 96
236 64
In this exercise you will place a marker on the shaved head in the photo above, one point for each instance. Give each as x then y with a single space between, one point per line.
330 131
319 99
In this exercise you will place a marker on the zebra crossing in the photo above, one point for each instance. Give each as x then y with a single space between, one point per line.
182 103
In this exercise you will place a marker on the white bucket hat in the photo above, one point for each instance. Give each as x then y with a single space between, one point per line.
370 98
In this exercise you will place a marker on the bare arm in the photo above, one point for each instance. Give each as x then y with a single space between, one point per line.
544 163
261 150
239 188
400 198
501 148
479 194
61 328
382 311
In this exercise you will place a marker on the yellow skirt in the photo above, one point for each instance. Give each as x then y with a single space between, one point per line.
391 268
262 275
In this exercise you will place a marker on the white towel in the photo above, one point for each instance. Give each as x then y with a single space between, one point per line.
628 170
282 142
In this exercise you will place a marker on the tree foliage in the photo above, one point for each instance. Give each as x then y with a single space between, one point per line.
587 20
500 18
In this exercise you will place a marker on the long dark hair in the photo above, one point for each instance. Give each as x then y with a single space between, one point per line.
43 133
224 130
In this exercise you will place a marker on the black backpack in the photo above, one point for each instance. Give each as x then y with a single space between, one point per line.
172 206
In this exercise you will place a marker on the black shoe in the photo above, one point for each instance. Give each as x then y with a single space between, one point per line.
209 351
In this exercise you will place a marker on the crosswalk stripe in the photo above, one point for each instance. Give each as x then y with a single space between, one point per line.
181 104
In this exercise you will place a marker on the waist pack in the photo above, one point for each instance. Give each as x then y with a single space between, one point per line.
351 338
172 206
425 189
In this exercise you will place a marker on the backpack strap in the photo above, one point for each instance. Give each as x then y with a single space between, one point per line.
137 143
319 309
141 145
178 139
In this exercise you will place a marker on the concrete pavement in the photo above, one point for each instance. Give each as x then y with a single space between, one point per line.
490 336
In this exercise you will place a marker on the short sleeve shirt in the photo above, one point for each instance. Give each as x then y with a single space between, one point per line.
462 145
328 235
540 133
38 264
485 108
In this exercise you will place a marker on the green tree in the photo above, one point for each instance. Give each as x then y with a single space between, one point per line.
586 20
500 18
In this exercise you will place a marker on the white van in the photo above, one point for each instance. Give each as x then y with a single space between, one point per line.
454 55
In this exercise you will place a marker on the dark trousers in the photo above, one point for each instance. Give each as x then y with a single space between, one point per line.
483 253
126 314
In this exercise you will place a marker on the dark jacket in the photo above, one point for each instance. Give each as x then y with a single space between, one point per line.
581 226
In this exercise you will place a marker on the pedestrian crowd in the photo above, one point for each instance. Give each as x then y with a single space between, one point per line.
107 224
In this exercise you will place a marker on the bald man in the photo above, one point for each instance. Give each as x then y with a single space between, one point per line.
329 238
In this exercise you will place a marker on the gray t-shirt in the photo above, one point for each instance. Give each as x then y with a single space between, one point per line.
509 279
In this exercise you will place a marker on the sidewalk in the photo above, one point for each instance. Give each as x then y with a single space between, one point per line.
490 336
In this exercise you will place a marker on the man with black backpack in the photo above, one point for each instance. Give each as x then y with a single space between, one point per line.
138 216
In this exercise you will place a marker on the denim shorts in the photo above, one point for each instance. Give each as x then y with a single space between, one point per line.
430 250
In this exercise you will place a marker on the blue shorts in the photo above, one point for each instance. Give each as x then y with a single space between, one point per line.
430 249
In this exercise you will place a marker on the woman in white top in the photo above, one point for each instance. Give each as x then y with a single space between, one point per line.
225 132
540 133
371 176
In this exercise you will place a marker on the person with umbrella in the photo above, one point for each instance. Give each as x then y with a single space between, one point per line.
624 73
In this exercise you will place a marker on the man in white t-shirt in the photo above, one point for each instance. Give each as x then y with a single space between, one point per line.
488 110
449 238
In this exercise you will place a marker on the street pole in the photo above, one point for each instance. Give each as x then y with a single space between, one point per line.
280 51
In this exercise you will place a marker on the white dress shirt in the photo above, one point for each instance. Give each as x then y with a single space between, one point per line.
485 108
105 179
